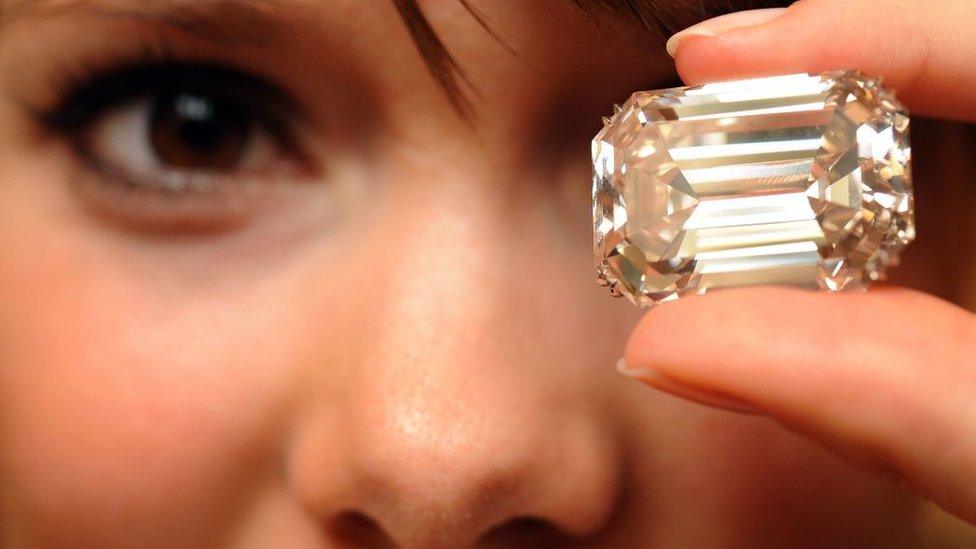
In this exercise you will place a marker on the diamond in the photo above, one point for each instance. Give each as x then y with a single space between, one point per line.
799 180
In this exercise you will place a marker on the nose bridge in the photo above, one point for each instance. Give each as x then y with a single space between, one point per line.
444 292
448 428
440 359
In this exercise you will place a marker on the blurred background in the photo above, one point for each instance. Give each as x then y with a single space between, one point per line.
943 257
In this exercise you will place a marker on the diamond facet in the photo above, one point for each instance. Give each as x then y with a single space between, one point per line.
800 180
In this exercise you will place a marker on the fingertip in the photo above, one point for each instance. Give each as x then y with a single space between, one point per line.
717 49
657 380
723 24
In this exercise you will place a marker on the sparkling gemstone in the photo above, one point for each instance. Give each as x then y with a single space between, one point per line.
799 180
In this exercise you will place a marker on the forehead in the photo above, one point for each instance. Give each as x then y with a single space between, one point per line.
655 15
488 57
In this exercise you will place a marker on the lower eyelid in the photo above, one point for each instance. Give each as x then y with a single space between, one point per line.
194 206
142 196
213 206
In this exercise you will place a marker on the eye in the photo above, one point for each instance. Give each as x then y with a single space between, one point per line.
187 144
181 140
193 130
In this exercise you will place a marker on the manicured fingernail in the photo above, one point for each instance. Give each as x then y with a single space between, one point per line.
724 23
661 382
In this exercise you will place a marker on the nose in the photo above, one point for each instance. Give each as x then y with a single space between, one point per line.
458 421
421 471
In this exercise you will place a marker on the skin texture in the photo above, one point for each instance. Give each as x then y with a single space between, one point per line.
407 349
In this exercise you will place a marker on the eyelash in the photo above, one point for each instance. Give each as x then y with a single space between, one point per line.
88 95
85 94
88 90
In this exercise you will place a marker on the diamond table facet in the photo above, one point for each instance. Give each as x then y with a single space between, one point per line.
800 180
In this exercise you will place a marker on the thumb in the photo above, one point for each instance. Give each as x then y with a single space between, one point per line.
924 50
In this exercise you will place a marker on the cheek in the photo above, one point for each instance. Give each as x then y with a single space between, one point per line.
116 417
124 400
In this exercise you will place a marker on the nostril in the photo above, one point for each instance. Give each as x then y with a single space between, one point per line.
356 529
526 532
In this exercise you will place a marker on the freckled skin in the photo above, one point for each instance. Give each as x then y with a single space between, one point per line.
436 357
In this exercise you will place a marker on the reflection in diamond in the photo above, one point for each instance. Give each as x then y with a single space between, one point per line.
798 180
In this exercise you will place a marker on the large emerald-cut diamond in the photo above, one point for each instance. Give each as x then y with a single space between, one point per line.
794 180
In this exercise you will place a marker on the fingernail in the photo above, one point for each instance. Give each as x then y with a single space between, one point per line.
661 382
724 23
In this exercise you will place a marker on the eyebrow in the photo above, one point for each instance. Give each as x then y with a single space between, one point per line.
227 21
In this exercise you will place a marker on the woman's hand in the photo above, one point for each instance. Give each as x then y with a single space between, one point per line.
886 379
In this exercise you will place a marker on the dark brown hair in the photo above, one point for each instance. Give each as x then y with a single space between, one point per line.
658 17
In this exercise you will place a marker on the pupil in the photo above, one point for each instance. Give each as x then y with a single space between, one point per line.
195 130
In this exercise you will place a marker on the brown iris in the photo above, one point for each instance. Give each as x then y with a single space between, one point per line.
199 131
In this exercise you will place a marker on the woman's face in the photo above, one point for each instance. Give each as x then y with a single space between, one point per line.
294 299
